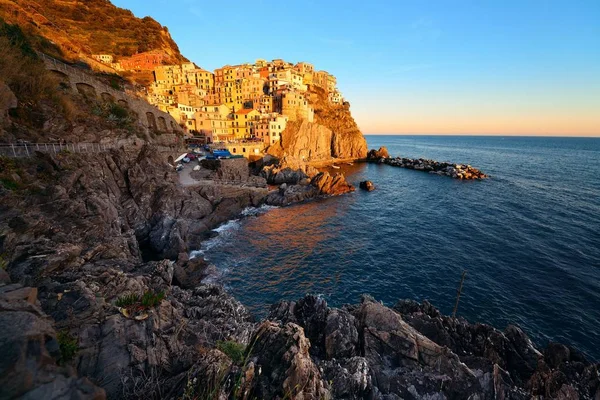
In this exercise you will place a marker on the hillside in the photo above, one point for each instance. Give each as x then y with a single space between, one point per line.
81 28
38 105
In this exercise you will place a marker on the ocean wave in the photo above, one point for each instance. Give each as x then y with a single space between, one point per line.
223 231
254 211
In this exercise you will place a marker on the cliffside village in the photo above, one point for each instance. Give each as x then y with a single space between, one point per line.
241 107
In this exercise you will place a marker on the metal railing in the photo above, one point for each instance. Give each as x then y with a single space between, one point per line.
29 149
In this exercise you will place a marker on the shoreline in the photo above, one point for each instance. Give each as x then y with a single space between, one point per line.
83 293
241 216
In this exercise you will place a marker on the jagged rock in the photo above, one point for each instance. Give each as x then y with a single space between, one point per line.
307 141
331 185
287 370
322 184
287 170
188 274
341 335
378 154
367 185
311 313
29 349
350 378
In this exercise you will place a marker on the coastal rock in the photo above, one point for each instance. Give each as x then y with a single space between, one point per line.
367 185
281 354
331 185
349 378
456 171
307 141
29 347
378 154
322 141
322 184
289 170
347 141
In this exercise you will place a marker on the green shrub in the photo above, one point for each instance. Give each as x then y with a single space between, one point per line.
9 183
68 346
234 350
151 299
127 300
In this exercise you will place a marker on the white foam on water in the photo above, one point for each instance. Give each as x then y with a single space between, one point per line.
223 231
253 211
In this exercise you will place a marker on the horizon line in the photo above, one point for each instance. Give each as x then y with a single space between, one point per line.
590 136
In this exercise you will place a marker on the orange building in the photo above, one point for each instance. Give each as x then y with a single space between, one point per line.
143 61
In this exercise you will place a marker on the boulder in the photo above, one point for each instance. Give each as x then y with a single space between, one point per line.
29 348
331 185
367 185
281 355
378 154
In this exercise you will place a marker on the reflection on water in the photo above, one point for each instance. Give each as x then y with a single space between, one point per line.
528 238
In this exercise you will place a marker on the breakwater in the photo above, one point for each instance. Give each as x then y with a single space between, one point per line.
456 171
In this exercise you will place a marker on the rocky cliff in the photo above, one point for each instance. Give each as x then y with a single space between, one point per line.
333 135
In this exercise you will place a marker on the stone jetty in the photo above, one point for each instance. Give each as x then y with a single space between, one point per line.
456 171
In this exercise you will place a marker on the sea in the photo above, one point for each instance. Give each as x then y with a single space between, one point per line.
528 238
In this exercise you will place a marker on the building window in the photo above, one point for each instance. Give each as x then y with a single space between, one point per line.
243 149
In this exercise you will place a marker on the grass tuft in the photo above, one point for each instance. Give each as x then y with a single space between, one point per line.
127 300
234 350
151 299
68 346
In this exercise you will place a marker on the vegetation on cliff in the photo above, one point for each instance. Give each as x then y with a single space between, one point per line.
88 27
37 105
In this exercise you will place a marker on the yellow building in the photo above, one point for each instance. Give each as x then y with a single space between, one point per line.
252 87
244 122
263 103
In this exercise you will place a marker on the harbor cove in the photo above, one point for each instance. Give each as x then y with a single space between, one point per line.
527 236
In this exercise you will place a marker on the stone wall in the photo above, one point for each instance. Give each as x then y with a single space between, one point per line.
149 117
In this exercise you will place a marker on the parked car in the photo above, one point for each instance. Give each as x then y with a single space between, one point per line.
179 167
185 160
191 156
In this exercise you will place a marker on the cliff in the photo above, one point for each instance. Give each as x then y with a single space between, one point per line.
333 135
75 28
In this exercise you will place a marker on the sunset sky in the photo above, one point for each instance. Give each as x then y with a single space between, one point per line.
409 67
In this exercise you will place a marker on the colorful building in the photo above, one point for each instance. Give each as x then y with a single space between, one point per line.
244 122
269 129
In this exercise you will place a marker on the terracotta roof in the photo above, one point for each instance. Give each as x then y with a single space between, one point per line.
244 111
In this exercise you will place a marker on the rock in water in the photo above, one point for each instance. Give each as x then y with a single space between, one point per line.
331 185
367 185
377 154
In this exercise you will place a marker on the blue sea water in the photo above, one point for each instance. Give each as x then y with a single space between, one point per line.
529 238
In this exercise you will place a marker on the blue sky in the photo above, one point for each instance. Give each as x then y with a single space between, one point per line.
474 67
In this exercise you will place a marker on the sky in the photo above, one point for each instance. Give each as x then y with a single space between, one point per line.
505 67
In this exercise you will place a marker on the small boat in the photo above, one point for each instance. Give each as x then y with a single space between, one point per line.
335 166
350 163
